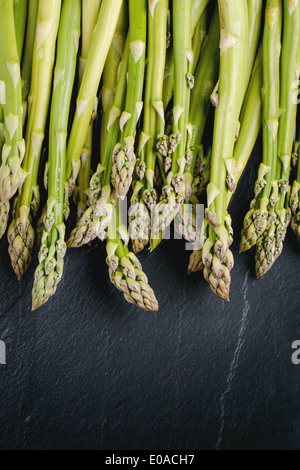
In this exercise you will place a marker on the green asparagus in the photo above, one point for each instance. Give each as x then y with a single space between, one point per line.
261 216
11 173
270 244
90 13
124 158
53 246
21 232
102 39
216 255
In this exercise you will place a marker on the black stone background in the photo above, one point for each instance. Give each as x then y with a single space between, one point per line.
89 371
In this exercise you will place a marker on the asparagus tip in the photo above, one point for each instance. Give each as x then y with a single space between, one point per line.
21 241
138 245
195 262
4 214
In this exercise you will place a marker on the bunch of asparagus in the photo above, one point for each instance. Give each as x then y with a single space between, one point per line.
266 223
176 92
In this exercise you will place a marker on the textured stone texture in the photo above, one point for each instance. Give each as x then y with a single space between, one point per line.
88 371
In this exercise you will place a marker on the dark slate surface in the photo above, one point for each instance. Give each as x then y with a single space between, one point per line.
88 371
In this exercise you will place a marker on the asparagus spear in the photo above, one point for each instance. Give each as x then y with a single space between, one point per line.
168 77
138 216
168 83
124 158
249 130
21 232
53 246
198 7
4 208
217 258
102 38
90 13
144 194
110 76
93 223
198 34
199 22
251 118
201 171
173 192
198 40
20 15
261 215
270 244
2 131
254 16
28 52
80 195
295 194
205 79
111 73
125 270
11 173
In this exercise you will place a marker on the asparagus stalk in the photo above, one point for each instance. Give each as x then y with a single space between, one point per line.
217 257
102 38
250 120
80 195
124 158
168 83
198 40
28 52
205 80
198 17
20 11
254 16
295 194
94 222
262 215
168 77
21 232
90 13
4 208
139 219
201 171
198 35
249 131
53 246
198 7
11 173
125 270
270 245
173 192
2 131
20 15
111 73
144 194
